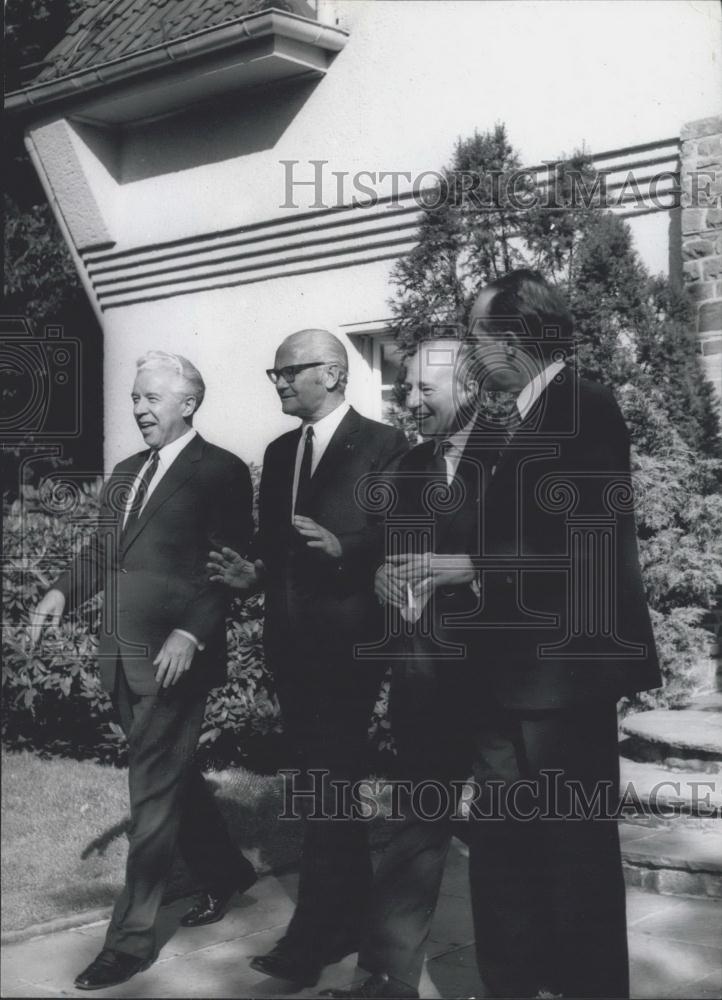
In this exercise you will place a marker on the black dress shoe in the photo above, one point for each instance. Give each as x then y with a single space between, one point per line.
379 986
109 969
284 963
302 967
213 904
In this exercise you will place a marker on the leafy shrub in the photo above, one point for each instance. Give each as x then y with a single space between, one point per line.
682 647
52 697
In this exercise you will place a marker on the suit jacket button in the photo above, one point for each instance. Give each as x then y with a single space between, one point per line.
507 579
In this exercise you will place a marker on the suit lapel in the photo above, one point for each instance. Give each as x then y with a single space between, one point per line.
339 448
469 478
182 469
549 414
423 461
286 472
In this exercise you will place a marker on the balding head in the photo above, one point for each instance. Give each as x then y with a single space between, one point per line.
317 390
312 345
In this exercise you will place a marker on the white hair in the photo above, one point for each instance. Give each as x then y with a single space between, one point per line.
186 371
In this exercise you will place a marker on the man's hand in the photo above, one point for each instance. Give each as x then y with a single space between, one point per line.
318 537
445 570
47 611
411 569
232 569
174 659
390 587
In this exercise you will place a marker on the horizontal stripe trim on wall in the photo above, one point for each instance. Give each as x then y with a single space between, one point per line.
341 236
329 266
221 271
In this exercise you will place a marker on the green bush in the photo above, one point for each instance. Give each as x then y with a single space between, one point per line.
52 697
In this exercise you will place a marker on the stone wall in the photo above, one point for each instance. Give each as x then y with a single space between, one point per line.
701 182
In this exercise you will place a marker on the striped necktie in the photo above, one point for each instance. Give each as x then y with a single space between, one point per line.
142 492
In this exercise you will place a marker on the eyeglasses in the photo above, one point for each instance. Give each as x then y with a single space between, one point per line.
290 372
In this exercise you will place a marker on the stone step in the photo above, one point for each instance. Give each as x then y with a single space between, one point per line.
688 738
710 702
679 860
653 794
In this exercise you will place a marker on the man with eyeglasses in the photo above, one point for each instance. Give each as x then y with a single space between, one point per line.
317 553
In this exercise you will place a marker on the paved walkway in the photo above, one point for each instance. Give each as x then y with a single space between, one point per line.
675 948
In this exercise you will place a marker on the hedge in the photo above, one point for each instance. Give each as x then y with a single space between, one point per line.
53 701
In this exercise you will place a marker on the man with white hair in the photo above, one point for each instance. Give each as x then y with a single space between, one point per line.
162 648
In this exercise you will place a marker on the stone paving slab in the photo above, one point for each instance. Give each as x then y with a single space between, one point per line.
673 942
699 923
454 974
661 968
679 846
665 790
641 905
452 926
710 702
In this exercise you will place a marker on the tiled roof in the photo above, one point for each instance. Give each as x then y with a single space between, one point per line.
112 29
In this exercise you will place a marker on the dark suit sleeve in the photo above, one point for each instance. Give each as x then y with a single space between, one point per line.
85 577
258 546
363 551
229 523
609 438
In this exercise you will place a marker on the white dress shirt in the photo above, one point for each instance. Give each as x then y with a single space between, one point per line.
323 430
533 390
166 457
454 449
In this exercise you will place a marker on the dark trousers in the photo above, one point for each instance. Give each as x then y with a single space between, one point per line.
326 704
548 893
428 717
171 806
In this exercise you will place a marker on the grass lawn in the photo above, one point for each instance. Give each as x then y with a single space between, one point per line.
53 811
63 834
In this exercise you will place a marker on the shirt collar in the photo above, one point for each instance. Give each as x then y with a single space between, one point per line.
324 429
457 442
533 390
169 452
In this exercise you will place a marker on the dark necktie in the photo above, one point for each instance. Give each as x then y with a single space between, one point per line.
304 478
500 419
142 492
507 429
441 450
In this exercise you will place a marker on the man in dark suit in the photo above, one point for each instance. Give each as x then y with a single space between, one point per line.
162 648
426 588
561 631
317 551
564 633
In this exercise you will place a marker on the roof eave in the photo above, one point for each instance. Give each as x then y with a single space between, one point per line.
75 87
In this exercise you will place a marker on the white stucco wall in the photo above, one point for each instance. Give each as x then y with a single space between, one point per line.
231 335
413 77
416 75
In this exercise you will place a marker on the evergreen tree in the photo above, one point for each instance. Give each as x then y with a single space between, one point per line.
633 332
40 282
465 239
